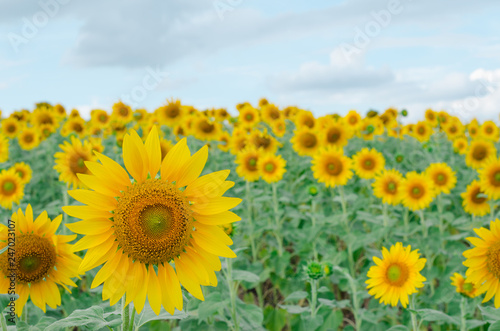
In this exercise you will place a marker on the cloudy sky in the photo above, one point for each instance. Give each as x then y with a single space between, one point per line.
325 56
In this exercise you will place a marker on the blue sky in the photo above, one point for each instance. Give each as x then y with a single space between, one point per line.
325 56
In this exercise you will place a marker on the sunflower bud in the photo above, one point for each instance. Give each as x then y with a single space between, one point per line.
313 190
328 268
314 270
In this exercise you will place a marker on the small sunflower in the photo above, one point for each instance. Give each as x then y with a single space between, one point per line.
44 116
99 117
270 113
271 167
482 262
368 162
305 141
11 188
144 228
304 119
387 186
11 127
248 116
463 286
454 129
331 167
422 131
443 177
264 141
171 114
473 129
460 145
23 171
29 138
396 276
71 161
247 161
43 260
122 112
224 139
205 129
431 117
335 134
489 131
74 125
489 178
417 191
353 120
475 202
479 152
279 128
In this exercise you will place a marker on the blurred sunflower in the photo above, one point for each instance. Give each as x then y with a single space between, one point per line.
464 287
473 129
431 117
74 125
271 167
71 161
304 119
4 148
305 141
248 116
489 178
122 113
264 141
417 191
279 128
422 131
396 276
205 129
43 260
353 120
460 145
331 167
479 152
270 113
224 138
29 138
23 171
11 127
238 142
483 265
454 129
99 117
247 161
44 116
489 131
387 186
443 177
11 188
171 114
475 202
335 134
141 229
368 162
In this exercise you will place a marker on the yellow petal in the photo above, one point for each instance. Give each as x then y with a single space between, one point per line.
153 151
93 226
98 185
138 273
217 219
86 212
104 175
174 161
213 247
107 270
187 279
94 199
114 169
134 157
92 241
215 206
207 185
98 255
193 167
154 291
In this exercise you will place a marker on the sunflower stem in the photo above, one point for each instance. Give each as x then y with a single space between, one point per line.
232 292
463 322
277 220
414 321
249 214
132 320
422 221
125 315
384 211
441 219
313 221
350 256
406 223
314 296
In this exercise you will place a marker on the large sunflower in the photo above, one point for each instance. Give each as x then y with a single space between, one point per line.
396 275
483 263
71 161
387 186
463 286
271 167
443 177
489 178
479 152
43 260
331 167
11 188
417 191
368 162
475 201
305 141
142 229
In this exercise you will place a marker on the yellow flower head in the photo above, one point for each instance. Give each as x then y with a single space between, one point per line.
387 186
396 276
475 202
353 120
11 127
11 188
368 163
29 138
23 171
443 177
489 131
422 131
71 161
489 178
335 134
249 116
122 113
305 141
331 167
479 152
43 259
417 191
247 161
271 167
142 228
460 145
463 286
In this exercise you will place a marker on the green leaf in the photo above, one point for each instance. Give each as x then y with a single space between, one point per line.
148 315
250 316
495 326
432 315
90 319
472 324
297 295
398 328
213 302
490 314
324 289
274 319
247 276
5 299
294 309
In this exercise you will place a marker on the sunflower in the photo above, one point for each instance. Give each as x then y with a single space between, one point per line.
4 148
279 128
171 114
479 152
23 171
165 147
475 202
46 130
122 112
489 131
11 188
368 162
387 186
43 260
29 138
247 161
99 117
71 161
60 111
417 191
331 167
205 129
44 116
305 141
454 129
265 142
422 131
144 228
96 144
224 138
443 117
489 178
443 177
141 115
304 119
74 125
460 145
335 134
371 127
483 265
270 113
396 276
431 117
11 127
221 115
249 116
238 142
464 287
271 167
353 120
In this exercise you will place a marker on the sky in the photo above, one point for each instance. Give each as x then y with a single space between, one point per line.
323 56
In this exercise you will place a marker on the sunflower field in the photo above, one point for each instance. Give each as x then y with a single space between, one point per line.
264 218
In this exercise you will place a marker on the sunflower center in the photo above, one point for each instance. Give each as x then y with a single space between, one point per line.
8 186
334 167
309 123
206 127
252 164
45 119
35 257
77 164
153 222
421 130
493 259
11 128
123 111
20 173
103 118
479 153
417 191
368 164
263 142
391 186
172 111
489 130
333 135
28 138
397 274
309 140
249 117
453 129
269 167
370 128
468 287
476 196
441 179
77 127
496 179
353 120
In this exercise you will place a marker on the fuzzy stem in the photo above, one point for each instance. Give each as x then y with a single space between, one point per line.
422 221
313 221
348 230
249 214
232 292
125 315
414 322
277 220
463 322
314 296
